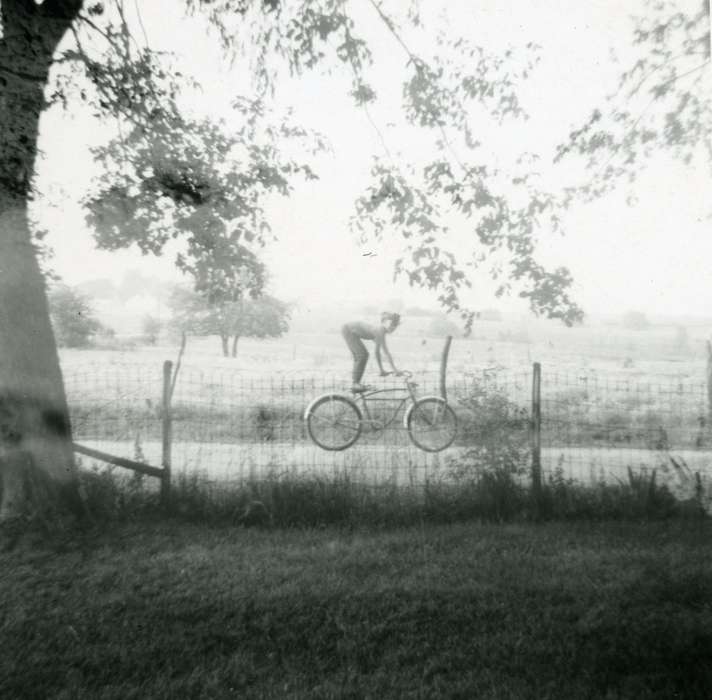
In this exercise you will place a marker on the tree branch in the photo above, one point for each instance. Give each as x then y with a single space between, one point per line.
660 66
416 61
83 18
391 28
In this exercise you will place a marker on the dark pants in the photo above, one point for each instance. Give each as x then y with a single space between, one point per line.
359 352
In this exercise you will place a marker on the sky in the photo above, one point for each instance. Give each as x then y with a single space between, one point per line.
652 256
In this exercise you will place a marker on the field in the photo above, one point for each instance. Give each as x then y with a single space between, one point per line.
651 355
611 399
320 586
168 610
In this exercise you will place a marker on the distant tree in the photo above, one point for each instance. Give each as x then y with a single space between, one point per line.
490 315
190 311
441 326
98 288
418 312
636 321
261 317
264 317
151 327
72 317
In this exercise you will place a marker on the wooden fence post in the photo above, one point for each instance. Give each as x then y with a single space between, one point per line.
536 434
167 430
443 367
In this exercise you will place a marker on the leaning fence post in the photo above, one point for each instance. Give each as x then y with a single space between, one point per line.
443 367
536 433
166 431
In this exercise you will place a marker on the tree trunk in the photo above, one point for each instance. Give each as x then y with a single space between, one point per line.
234 345
36 458
224 339
709 382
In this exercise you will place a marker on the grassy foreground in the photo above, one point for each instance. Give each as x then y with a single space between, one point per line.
166 609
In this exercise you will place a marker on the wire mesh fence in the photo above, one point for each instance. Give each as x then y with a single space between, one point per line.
228 426
595 427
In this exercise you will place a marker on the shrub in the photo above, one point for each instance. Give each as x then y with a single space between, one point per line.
72 317
636 321
493 467
441 326
151 328
490 315
111 495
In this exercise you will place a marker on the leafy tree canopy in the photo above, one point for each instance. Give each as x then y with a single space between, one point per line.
662 104
201 182
636 321
254 317
173 175
151 327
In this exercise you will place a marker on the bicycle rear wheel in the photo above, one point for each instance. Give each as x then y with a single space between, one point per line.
431 424
333 422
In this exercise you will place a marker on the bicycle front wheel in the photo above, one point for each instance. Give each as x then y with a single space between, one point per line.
431 424
333 422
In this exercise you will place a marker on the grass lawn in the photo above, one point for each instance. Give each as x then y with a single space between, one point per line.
172 610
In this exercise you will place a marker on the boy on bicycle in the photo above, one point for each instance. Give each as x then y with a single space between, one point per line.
354 335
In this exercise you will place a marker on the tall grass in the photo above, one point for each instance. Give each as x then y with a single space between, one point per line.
279 500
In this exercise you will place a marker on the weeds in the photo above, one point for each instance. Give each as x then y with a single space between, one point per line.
491 471
287 500
640 498
112 495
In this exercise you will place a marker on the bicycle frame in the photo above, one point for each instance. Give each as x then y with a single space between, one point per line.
365 398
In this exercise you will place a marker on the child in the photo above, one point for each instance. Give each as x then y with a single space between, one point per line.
354 335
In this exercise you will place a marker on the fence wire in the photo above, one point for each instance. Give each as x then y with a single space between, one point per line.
228 426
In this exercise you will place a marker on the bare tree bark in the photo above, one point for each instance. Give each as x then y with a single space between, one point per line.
709 381
225 340
234 345
35 431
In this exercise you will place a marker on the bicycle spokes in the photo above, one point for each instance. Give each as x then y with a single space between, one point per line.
334 422
432 424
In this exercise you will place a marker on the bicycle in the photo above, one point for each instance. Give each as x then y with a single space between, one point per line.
335 421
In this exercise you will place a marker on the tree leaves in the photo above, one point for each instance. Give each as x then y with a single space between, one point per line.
263 316
393 204
196 181
673 78
177 177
